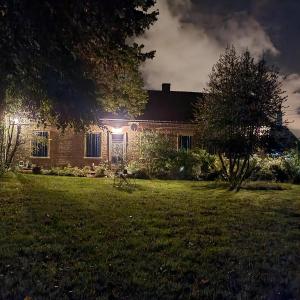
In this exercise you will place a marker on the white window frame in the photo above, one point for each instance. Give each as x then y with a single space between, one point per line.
48 145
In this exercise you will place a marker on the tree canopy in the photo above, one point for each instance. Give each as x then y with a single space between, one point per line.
68 61
242 100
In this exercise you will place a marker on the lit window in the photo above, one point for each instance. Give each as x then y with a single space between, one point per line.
184 142
40 144
92 145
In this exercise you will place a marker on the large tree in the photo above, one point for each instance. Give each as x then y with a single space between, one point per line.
68 61
241 103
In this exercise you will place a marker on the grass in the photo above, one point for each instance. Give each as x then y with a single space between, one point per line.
80 238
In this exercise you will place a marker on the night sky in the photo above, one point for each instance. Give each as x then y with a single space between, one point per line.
190 35
279 18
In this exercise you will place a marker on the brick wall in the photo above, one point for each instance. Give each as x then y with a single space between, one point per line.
68 147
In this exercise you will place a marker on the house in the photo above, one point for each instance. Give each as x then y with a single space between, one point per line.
115 139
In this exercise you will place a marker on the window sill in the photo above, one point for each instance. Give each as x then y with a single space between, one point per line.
40 157
86 157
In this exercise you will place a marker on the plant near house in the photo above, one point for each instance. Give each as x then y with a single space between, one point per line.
242 101
10 140
162 160
158 152
268 168
292 165
196 164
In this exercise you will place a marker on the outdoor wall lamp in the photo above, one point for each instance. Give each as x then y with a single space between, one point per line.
117 130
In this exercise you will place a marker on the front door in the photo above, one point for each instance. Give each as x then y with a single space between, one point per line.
117 148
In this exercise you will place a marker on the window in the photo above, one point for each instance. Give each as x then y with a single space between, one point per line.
184 142
40 144
92 145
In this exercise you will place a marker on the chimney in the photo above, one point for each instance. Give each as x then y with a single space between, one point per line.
166 87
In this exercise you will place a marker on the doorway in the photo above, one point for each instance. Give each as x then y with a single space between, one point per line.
117 148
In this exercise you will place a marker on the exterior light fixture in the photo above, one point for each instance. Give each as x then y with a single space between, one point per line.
16 120
117 130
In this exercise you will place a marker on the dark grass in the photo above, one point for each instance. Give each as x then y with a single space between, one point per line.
80 238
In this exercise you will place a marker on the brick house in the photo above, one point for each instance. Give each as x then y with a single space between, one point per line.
119 139
116 139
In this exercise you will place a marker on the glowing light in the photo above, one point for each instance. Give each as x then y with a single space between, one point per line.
16 120
117 130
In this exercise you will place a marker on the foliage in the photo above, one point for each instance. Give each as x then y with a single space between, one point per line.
37 170
285 168
194 164
67 61
162 160
102 169
138 169
67 171
157 152
242 101
292 165
268 168
10 140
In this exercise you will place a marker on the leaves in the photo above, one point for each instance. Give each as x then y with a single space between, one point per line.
243 99
70 60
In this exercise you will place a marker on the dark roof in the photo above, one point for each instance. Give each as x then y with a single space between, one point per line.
170 106
166 105
296 132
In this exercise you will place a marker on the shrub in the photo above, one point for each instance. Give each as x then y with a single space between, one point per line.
77 172
281 169
100 171
47 172
67 171
195 164
161 160
86 170
292 165
268 169
36 170
138 170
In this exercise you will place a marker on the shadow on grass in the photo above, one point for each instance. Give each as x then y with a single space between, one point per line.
264 186
219 185
130 188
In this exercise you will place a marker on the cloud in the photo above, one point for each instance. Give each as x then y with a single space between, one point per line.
182 51
188 43
247 33
186 51
291 84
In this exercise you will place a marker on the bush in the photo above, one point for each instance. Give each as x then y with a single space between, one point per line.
161 160
138 170
292 165
102 170
86 170
196 164
280 169
36 170
67 171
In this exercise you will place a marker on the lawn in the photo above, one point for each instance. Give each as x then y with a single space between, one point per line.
80 238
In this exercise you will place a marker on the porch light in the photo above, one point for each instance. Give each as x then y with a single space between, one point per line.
117 130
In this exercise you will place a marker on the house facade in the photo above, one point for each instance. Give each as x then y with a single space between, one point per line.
115 139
